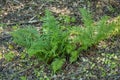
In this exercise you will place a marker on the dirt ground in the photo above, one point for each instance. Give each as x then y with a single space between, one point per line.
100 63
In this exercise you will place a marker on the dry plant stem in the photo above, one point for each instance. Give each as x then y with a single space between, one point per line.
23 23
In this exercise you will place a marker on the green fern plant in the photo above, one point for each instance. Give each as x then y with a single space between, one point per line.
25 36
51 42
54 44
91 33
51 47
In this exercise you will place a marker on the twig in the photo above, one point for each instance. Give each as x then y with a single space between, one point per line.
23 23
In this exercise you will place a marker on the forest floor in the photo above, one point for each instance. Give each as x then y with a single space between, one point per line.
97 63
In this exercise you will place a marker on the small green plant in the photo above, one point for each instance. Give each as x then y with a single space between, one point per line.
39 73
55 44
23 78
49 44
9 56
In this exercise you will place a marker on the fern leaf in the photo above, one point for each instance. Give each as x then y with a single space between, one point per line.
57 64
86 17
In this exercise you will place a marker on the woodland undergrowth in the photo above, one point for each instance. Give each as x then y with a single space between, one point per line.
55 43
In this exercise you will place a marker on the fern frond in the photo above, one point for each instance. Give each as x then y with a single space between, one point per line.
86 17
